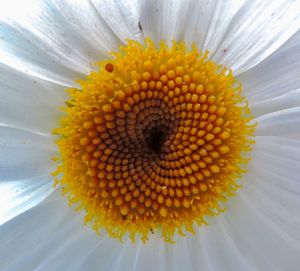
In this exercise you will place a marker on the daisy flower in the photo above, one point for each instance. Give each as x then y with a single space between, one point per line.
149 135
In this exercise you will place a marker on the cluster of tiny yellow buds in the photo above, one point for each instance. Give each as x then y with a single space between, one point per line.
153 141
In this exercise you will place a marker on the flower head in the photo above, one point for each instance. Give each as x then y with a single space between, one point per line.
154 140
171 108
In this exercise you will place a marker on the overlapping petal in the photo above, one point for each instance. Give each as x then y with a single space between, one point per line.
274 84
56 41
29 103
17 196
238 34
24 154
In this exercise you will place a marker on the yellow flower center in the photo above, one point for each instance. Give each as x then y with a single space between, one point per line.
153 141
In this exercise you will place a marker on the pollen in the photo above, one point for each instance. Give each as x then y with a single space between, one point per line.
153 141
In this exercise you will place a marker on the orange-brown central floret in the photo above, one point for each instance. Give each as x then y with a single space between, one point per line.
153 141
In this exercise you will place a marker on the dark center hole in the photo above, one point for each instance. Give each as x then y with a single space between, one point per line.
155 138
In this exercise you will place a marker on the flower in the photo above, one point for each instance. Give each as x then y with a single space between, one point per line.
139 105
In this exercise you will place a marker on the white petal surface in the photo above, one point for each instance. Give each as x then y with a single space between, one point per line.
24 154
29 103
151 255
274 84
221 252
256 31
284 123
207 22
239 34
21 195
42 229
25 170
263 220
121 16
92 26
163 20
179 257
57 240
286 101
202 22
56 41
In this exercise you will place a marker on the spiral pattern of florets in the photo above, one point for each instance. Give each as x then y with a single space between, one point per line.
153 141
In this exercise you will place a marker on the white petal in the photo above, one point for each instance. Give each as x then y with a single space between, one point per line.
71 241
41 40
24 154
281 207
221 251
19 196
262 243
51 236
289 100
40 235
103 257
201 22
256 31
163 20
121 16
127 257
284 123
274 180
178 256
278 158
263 220
197 251
275 79
125 260
91 26
149 256
29 103
25 171
239 34
207 22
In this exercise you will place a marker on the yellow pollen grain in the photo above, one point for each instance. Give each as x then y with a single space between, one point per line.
154 140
